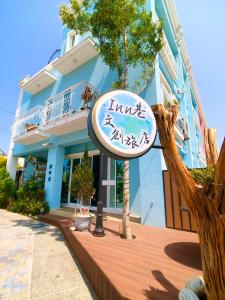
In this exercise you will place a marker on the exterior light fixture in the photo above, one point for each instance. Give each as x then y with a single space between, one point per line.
47 144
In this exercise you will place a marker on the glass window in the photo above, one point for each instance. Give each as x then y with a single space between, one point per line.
73 40
119 184
76 162
112 169
65 181
115 191
95 169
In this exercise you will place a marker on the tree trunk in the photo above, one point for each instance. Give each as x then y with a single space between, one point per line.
126 202
126 179
207 205
212 243
211 146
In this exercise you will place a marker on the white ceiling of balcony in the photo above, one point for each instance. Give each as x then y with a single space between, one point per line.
38 82
76 56
34 136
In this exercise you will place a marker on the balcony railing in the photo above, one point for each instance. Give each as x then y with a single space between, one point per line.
180 124
168 58
28 121
69 102
64 106
196 119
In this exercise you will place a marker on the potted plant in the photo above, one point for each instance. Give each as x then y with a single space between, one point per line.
82 189
87 96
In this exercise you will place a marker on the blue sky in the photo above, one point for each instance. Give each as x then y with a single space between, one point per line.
203 24
31 30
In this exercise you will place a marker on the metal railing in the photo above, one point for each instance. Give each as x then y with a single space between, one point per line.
28 121
74 99
180 124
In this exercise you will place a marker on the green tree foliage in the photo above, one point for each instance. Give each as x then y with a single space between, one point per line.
3 161
82 181
30 199
123 30
7 188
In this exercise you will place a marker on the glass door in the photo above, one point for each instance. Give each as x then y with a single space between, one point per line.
68 169
65 180
75 162
95 169
115 183
112 175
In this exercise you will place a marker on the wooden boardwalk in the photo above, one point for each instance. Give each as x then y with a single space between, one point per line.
155 265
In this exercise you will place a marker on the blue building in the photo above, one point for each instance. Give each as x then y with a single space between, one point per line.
51 120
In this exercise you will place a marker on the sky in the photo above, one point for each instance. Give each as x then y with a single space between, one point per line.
30 31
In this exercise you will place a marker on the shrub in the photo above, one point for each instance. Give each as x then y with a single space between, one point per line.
30 199
3 161
82 181
7 188
203 176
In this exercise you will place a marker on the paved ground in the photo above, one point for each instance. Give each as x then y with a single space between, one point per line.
35 262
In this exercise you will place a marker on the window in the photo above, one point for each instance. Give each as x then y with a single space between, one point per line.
71 40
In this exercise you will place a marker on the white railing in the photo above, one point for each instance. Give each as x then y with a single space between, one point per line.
74 99
28 121
168 57
196 119
169 52
69 102
180 124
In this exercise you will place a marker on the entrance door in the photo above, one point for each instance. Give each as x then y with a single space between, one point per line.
65 180
68 169
113 179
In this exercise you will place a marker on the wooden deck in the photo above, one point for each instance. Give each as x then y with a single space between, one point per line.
155 265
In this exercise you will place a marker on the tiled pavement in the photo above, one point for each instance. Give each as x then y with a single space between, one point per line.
35 262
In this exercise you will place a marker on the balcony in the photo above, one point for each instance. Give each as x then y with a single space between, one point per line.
168 58
38 82
179 129
76 56
196 119
27 127
64 113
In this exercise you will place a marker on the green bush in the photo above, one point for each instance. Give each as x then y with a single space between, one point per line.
7 188
3 161
30 199
204 176
82 181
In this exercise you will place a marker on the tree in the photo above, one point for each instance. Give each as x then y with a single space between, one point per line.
7 188
3 161
126 36
205 199
82 181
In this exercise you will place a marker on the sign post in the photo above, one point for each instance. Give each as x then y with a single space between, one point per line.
99 230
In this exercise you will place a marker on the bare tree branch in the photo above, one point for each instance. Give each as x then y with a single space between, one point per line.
219 181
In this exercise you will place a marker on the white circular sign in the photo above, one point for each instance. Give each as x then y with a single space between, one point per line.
124 124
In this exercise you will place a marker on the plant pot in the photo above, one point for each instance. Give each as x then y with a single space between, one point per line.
83 223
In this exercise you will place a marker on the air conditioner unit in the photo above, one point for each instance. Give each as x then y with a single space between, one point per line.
186 131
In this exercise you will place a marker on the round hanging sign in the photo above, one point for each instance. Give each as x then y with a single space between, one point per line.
122 124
